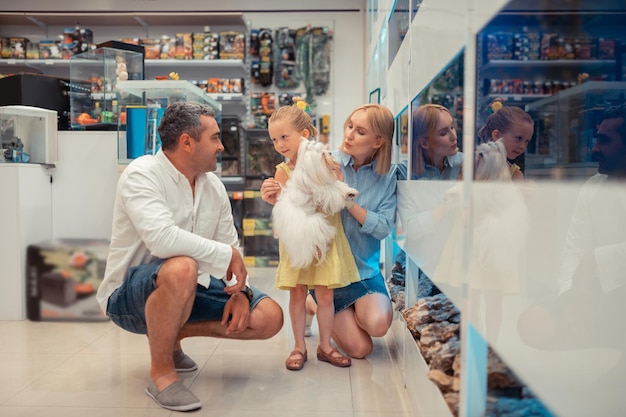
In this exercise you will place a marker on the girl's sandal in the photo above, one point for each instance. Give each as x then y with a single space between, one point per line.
296 360
340 361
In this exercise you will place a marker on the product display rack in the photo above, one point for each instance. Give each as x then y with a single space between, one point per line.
117 25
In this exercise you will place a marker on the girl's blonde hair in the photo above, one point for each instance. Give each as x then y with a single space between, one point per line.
296 115
382 122
424 124
502 119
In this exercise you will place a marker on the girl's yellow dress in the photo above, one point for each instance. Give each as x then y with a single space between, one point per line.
338 269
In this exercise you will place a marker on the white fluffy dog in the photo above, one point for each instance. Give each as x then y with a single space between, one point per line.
312 193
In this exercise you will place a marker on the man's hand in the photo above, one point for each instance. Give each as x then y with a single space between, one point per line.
237 269
236 314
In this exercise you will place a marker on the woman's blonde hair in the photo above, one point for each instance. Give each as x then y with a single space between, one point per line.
382 122
424 124
296 115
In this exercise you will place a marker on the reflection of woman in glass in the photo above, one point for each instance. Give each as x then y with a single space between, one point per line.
435 151
435 156
513 127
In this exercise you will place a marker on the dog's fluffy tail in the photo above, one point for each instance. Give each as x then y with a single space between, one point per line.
306 243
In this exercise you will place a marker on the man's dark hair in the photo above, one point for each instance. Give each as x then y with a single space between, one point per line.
182 117
616 112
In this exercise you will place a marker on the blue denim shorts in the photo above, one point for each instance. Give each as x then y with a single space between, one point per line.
126 306
346 296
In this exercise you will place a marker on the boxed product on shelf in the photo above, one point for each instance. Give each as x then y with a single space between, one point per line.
168 47
5 49
18 48
49 49
258 227
585 48
606 48
205 45
63 277
499 45
32 50
76 40
260 261
552 46
232 45
184 49
152 48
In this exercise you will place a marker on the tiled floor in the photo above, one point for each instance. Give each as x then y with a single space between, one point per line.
97 370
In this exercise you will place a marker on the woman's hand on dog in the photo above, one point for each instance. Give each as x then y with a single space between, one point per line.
337 170
269 190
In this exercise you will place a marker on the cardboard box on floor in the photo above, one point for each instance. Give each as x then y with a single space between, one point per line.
62 277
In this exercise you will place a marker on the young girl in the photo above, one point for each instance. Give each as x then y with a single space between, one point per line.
513 127
363 309
435 151
287 127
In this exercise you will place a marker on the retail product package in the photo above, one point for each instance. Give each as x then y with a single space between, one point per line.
62 277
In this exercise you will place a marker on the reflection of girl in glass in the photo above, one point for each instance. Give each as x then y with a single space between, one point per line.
513 127
435 151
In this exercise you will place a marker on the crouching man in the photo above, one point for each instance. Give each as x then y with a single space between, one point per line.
173 238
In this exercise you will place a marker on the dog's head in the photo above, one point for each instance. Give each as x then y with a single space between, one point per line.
315 163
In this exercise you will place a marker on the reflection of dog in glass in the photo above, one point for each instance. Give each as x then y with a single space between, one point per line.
311 193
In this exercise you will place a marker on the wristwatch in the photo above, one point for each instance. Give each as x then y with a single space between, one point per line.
248 292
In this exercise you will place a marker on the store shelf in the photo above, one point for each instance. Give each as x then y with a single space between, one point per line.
194 63
214 63
578 90
506 63
147 19
518 98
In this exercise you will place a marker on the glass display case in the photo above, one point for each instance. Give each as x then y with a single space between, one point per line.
564 67
141 104
28 134
94 78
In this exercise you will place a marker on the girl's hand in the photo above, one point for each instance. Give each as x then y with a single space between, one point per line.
270 190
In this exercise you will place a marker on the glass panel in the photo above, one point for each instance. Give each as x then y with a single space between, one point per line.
445 90
415 5
94 78
546 256
401 146
564 67
399 22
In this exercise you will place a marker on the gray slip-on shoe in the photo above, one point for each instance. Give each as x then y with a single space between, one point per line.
183 363
176 397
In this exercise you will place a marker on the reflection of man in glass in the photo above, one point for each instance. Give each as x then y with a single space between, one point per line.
592 277
610 147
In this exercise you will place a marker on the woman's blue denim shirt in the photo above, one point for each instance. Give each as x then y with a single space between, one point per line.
377 194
